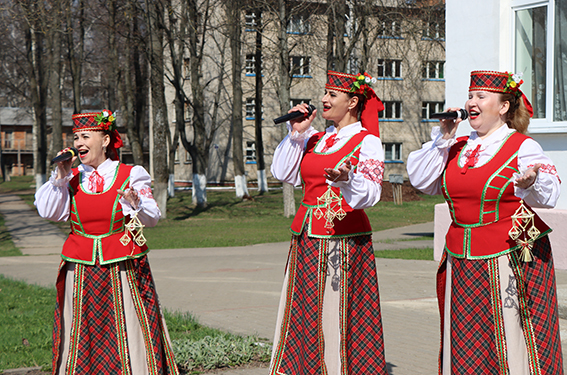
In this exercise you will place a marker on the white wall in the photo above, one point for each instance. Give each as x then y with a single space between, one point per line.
479 38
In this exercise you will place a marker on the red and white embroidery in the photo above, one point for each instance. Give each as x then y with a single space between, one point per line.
372 170
330 142
146 192
547 168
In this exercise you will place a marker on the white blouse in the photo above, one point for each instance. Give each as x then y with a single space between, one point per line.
53 199
425 166
363 188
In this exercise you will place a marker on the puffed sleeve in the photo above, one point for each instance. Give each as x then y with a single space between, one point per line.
425 166
288 154
52 199
364 186
544 192
148 210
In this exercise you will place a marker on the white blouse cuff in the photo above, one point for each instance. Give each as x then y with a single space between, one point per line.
439 141
60 182
297 136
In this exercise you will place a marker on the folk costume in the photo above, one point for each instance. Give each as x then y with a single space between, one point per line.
496 281
329 320
107 317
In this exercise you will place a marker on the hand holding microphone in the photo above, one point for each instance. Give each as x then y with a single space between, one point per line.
64 159
451 115
300 117
449 120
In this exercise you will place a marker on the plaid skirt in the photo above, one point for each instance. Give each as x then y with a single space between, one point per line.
108 321
478 338
347 266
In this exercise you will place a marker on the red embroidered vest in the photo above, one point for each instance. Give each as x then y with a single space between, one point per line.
314 185
482 202
97 223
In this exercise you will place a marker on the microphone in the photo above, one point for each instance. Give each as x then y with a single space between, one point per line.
293 115
461 113
66 155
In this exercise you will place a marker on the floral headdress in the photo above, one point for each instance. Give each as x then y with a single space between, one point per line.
359 84
505 82
104 120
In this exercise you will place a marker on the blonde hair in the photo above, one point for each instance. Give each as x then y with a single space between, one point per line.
517 117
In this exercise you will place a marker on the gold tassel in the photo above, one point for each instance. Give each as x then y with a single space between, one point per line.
524 231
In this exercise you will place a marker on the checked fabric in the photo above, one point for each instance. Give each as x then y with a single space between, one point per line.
300 350
98 331
475 338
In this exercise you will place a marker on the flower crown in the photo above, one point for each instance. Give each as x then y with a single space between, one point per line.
362 83
106 120
513 83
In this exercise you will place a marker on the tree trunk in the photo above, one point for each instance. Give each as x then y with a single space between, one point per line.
75 50
234 25
159 108
55 88
260 165
284 96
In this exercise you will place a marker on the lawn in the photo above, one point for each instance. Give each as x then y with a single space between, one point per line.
27 322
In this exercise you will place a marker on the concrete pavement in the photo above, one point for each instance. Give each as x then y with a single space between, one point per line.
238 289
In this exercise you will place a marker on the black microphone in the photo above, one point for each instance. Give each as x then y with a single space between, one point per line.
293 115
461 113
66 155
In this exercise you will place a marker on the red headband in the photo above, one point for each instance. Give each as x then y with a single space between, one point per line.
99 121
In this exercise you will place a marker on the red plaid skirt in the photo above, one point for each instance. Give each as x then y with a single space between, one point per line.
477 343
99 342
300 350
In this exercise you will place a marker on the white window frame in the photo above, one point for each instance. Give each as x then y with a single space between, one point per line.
295 101
395 67
302 64
250 152
426 67
397 148
397 110
299 24
540 125
426 106
250 109
250 64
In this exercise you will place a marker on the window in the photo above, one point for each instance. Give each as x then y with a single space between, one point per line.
188 159
294 102
433 70
392 111
299 24
250 157
8 139
427 108
250 64
250 109
434 30
300 66
389 68
186 68
390 28
392 151
250 20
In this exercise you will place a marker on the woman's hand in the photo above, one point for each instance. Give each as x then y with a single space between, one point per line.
64 167
303 123
449 127
340 174
131 196
528 178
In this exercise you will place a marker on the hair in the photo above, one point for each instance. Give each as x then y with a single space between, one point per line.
517 116
361 102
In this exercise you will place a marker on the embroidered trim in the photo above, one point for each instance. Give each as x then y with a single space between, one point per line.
278 353
529 334
119 318
499 333
78 284
146 192
549 169
372 170
142 317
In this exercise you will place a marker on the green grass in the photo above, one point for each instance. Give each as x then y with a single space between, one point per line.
27 323
17 184
228 221
415 254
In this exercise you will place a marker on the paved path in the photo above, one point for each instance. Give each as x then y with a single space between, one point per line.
238 288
